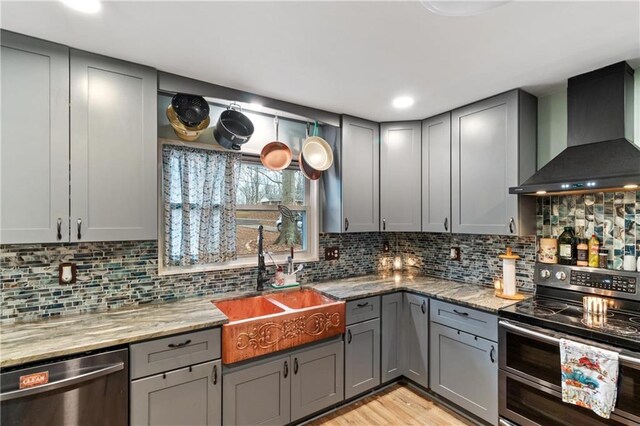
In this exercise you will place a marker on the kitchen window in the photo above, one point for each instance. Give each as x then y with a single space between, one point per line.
213 201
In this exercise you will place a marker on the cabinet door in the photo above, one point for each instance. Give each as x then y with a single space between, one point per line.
464 370
189 396
436 173
35 140
258 394
391 336
400 162
416 338
485 165
318 379
360 175
113 149
362 358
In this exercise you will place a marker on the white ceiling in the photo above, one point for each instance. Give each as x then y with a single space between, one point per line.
351 57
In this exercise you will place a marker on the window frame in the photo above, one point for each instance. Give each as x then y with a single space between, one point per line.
312 209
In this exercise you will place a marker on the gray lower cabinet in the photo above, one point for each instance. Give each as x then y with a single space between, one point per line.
362 358
318 379
416 338
391 337
187 396
259 394
493 147
464 370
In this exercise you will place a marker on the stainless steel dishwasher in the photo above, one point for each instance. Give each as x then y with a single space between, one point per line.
86 390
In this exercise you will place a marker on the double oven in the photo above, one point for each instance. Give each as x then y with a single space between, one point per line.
529 381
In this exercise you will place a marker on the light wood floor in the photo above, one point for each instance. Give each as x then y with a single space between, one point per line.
396 405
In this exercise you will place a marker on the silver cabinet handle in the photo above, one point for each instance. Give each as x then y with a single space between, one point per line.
446 223
59 233
511 225
346 224
384 224
79 228
62 383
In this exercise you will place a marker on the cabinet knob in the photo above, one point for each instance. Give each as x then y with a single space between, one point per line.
79 228
59 229
346 224
512 225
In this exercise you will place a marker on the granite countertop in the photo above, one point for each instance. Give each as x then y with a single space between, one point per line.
24 342
471 295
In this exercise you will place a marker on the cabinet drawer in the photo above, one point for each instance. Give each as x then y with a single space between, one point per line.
363 309
470 320
169 353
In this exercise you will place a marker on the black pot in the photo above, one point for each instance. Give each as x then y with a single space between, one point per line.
190 109
233 129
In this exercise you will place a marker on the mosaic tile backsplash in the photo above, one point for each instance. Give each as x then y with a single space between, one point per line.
117 274
613 216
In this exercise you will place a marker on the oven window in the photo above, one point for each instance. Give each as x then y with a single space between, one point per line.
533 358
629 390
545 409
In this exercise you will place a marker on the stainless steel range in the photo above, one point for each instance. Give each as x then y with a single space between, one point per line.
530 331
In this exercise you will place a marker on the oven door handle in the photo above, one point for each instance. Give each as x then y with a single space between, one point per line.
5 396
554 340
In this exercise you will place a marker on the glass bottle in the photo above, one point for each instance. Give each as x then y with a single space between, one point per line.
567 246
594 247
582 258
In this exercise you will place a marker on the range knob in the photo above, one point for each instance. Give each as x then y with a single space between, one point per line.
560 275
545 273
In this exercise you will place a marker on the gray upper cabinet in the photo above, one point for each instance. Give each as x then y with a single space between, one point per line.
391 335
258 394
416 338
360 176
318 379
351 187
35 141
464 370
436 173
493 148
362 358
188 396
400 164
113 149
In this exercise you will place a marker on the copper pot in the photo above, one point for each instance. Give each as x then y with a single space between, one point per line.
276 155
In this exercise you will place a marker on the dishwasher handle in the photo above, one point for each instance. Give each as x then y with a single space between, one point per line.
20 393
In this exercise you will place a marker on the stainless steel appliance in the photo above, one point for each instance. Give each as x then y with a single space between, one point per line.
529 355
88 390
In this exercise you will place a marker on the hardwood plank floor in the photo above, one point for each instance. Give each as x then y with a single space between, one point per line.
396 405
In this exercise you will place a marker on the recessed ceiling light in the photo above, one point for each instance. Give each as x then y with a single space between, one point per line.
541 192
85 6
403 102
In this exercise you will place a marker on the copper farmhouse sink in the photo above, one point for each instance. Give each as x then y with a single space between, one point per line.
261 325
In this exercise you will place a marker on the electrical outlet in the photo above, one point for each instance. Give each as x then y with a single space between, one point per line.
331 253
385 247
455 254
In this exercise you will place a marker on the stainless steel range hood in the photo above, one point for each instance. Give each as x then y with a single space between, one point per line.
600 155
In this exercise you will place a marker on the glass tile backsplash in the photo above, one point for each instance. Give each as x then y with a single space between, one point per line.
613 216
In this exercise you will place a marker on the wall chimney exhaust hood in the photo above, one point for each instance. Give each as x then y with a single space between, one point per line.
600 155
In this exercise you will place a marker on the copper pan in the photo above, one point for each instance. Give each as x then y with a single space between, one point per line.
276 155
308 171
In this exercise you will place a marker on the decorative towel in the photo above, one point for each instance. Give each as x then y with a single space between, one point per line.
589 377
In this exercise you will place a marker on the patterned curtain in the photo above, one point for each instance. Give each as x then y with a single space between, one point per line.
199 205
